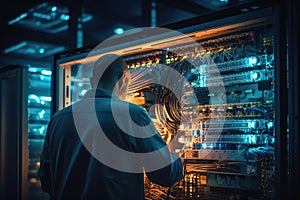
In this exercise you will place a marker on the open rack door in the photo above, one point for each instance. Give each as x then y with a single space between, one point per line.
13 149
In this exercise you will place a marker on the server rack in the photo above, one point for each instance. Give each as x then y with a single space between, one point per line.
39 109
235 145
25 113
13 89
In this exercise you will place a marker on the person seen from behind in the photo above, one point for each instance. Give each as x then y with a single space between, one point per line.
106 158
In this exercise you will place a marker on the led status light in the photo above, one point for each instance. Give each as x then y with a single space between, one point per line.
252 61
255 75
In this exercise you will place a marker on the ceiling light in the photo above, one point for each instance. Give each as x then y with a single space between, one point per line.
22 16
47 17
33 48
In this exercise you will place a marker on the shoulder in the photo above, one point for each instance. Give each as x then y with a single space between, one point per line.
62 113
137 108
132 111
119 105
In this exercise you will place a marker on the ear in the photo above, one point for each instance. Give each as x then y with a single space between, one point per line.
120 81
121 88
92 82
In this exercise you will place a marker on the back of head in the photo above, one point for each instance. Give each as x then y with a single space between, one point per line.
107 71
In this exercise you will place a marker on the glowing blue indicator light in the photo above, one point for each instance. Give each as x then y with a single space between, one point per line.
252 124
255 75
65 17
252 139
119 30
41 50
270 125
41 114
41 130
252 61
54 8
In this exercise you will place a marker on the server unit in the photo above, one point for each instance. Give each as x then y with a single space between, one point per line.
209 86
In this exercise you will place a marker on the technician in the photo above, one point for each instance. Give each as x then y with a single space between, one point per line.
76 164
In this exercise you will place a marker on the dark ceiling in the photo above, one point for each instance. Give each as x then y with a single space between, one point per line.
33 31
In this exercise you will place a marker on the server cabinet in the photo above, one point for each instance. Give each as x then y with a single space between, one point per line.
231 65
13 90
25 113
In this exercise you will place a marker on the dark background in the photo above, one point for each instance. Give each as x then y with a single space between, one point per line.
106 16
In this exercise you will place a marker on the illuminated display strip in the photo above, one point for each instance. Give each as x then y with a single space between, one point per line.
257 139
243 77
246 63
236 124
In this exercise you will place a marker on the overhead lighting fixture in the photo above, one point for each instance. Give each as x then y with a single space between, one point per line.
34 49
47 17
15 47
20 17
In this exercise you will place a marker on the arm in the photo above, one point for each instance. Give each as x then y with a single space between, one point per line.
168 174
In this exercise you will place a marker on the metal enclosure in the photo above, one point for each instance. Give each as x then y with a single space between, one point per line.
13 149
233 142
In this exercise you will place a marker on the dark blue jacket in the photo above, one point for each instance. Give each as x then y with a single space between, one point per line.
77 162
